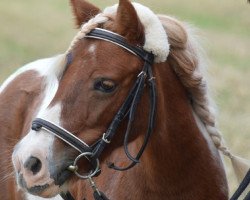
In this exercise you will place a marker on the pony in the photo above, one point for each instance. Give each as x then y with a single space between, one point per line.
81 91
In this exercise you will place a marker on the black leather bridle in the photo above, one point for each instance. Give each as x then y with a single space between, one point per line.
126 111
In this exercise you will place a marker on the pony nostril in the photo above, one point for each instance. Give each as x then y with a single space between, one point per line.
33 164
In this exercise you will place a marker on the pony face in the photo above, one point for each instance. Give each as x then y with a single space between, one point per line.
88 94
84 96
97 82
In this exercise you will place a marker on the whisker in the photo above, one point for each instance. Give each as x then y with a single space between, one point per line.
6 162
7 171
6 152
6 177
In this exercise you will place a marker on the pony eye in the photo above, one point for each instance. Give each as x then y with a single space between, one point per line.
105 85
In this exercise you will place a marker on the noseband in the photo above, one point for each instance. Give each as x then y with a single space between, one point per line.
126 111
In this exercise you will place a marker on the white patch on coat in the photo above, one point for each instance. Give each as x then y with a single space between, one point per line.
156 39
34 142
51 114
40 143
92 49
45 67
42 140
50 70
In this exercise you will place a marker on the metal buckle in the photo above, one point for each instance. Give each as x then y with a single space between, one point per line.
104 139
152 78
74 168
142 73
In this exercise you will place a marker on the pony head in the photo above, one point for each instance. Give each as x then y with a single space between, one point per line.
83 95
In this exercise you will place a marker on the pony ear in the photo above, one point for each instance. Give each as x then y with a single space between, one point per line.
127 23
83 11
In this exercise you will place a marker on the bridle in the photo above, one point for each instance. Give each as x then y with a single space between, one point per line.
126 111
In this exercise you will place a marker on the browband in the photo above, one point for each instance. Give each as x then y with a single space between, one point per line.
109 36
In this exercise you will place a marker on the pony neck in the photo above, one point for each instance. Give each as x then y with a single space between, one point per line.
179 156
178 162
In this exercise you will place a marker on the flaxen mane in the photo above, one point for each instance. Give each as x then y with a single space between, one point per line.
187 61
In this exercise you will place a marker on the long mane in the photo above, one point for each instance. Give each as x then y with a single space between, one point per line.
189 63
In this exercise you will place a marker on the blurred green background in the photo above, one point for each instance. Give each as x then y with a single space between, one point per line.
34 29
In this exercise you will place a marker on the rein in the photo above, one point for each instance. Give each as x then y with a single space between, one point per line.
242 187
127 110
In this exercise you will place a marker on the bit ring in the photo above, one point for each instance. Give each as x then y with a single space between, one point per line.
86 175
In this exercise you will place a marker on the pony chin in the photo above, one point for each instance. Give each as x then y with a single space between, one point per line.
50 192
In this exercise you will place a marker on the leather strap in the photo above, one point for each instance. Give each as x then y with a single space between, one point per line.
61 133
135 160
121 114
248 196
242 187
109 36
129 105
128 108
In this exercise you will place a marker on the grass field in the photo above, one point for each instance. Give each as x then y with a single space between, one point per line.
33 29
